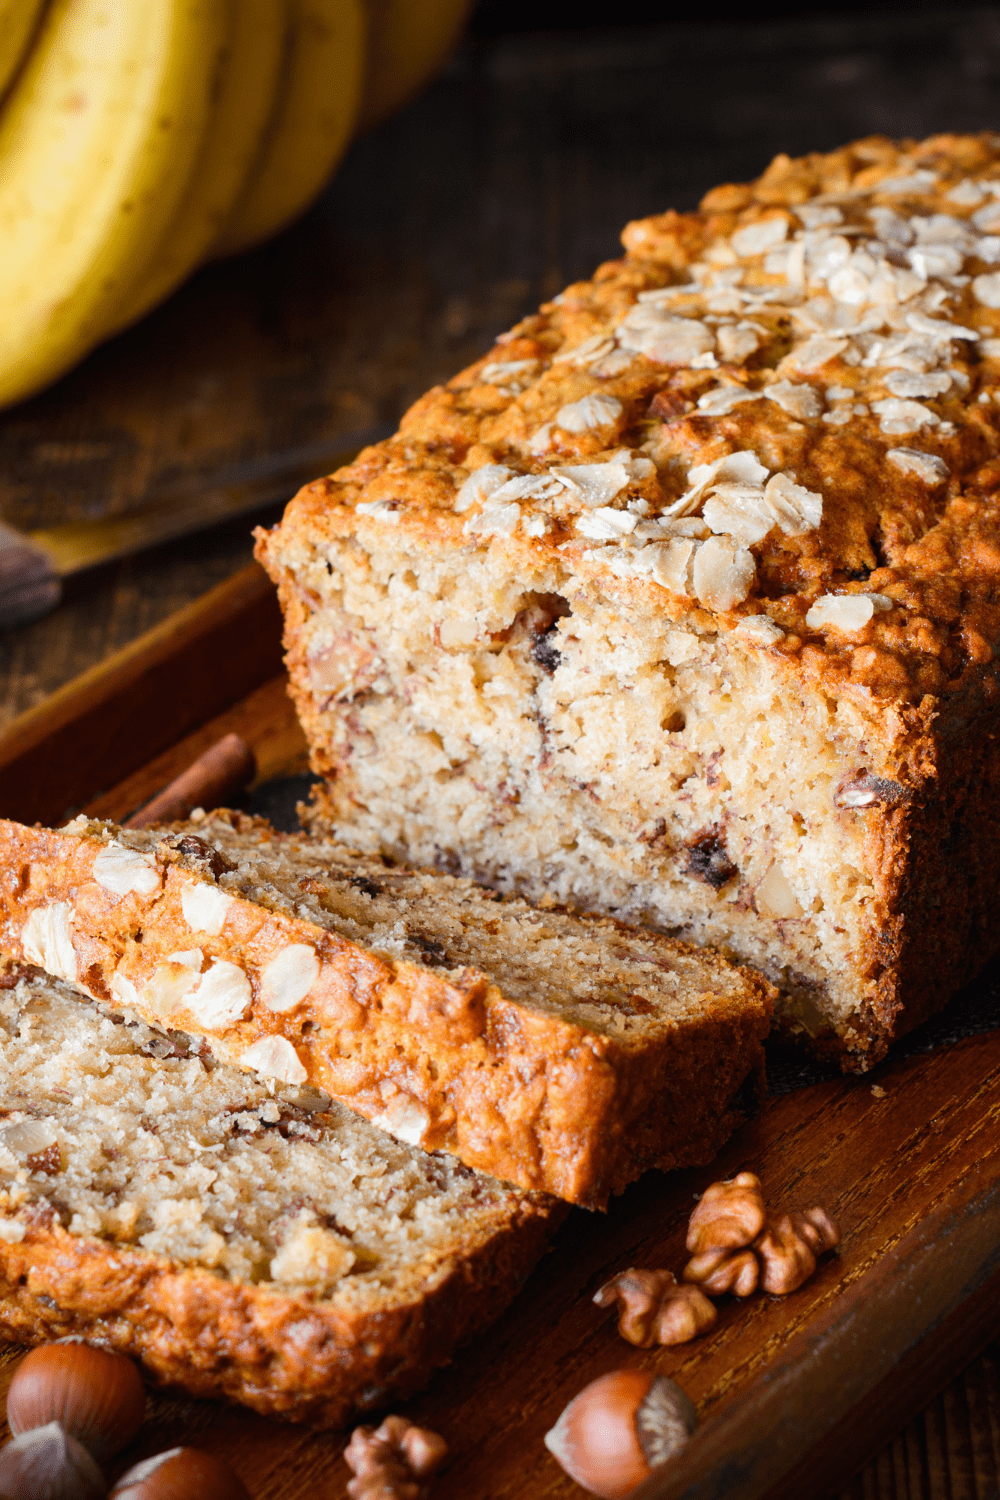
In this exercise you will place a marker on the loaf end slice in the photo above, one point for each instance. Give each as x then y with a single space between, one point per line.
563 1054
241 1239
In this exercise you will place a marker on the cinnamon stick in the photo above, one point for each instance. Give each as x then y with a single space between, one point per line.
225 768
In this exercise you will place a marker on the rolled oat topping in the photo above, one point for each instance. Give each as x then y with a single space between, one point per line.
837 322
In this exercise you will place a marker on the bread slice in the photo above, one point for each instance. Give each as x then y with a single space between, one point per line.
681 604
560 1053
240 1239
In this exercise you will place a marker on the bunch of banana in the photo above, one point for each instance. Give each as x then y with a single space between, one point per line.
139 138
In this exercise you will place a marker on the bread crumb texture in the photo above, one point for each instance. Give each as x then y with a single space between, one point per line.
241 1239
563 1053
682 602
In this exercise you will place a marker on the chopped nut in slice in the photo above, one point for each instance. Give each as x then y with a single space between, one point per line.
222 995
28 1138
123 871
274 1057
166 989
205 908
405 1118
847 612
723 573
927 467
311 1256
196 849
589 412
480 485
774 896
47 939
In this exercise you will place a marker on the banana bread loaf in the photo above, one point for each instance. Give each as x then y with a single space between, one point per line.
682 603
561 1053
241 1240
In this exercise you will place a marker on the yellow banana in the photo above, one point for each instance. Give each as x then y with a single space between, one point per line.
17 22
313 124
407 42
97 143
246 95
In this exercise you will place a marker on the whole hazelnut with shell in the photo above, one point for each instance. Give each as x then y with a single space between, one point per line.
47 1464
180 1474
619 1429
97 1397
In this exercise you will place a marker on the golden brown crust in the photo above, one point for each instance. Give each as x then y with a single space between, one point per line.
282 1356
520 1093
934 550
935 855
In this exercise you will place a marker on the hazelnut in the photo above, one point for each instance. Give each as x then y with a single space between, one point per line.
180 1474
48 1464
97 1397
654 1309
619 1429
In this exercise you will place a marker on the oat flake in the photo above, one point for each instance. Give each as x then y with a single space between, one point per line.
588 413
925 466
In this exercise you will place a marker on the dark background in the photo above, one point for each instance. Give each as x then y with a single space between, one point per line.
497 17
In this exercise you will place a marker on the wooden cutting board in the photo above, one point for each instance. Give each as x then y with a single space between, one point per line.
793 1393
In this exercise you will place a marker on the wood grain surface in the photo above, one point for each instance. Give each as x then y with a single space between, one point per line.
125 710
511 176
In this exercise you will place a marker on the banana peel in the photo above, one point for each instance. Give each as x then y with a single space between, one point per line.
246 96
98 142
408 42
139 138
314 122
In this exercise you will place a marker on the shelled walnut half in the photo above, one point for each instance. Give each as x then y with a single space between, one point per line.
391 1462
738 1246
654 1309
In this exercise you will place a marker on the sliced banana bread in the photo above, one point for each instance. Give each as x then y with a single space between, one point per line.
240 1239
682 603
561 1053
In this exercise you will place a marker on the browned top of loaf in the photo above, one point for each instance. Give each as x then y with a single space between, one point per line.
843 326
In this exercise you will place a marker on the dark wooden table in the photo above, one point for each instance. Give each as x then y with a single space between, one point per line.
509 178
